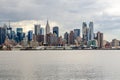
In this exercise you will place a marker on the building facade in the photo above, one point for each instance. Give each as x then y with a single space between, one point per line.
91 31
66 37
2 35
37 29
115 43
30 35
20 34
100 39
76 33
41 31
56 30
47 35
71 38
47 28
85 33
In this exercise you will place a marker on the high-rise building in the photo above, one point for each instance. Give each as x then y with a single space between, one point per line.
2 35
20 34
30 35
19 30
100 39
5 27
91 31
41 31
47 28
115 43
47 35
9 32
85 32
76 33
66 37
71 37
37 29
54 40
56 30
48 39
13 35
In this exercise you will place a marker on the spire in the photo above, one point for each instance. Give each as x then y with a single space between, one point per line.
9 23
47 27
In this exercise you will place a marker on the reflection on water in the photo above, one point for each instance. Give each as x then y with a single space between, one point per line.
60 65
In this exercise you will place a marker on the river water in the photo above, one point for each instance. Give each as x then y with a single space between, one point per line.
60 65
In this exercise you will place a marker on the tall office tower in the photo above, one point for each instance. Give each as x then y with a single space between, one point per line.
91 31
76 33
47 33
37 29
56 30
47 28
20 34
30 35
2 35
5 27
71 37
9 32
66 37
13 35
41 31
100 39
84 32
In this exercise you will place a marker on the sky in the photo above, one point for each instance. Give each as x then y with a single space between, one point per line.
67 14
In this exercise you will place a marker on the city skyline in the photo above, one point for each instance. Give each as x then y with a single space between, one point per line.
42 24
105 14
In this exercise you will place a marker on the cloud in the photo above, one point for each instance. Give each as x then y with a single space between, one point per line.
68 14
29 24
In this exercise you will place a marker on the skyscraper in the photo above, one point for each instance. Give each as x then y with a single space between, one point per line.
56 30
41 31
5 27
71 37
100 39
30 35
13 35
91 31
47 28
85 32
37 29
9 32
76 33
46 40
20 34
2 35
66 37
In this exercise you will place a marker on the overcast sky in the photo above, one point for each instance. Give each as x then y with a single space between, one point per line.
67 14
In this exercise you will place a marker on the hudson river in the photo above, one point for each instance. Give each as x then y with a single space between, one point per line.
60 65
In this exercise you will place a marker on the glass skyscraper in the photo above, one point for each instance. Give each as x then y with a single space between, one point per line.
91 31
2 35
84 32
30 35
76 33
20 34
37 29
56 30
41 31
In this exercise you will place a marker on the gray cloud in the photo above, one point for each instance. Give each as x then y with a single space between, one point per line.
69 13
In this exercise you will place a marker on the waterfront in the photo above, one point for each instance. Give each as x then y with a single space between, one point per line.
60 65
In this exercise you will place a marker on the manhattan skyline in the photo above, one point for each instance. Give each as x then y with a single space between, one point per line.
65 14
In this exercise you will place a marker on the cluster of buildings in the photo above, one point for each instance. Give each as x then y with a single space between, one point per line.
44 37
89 38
